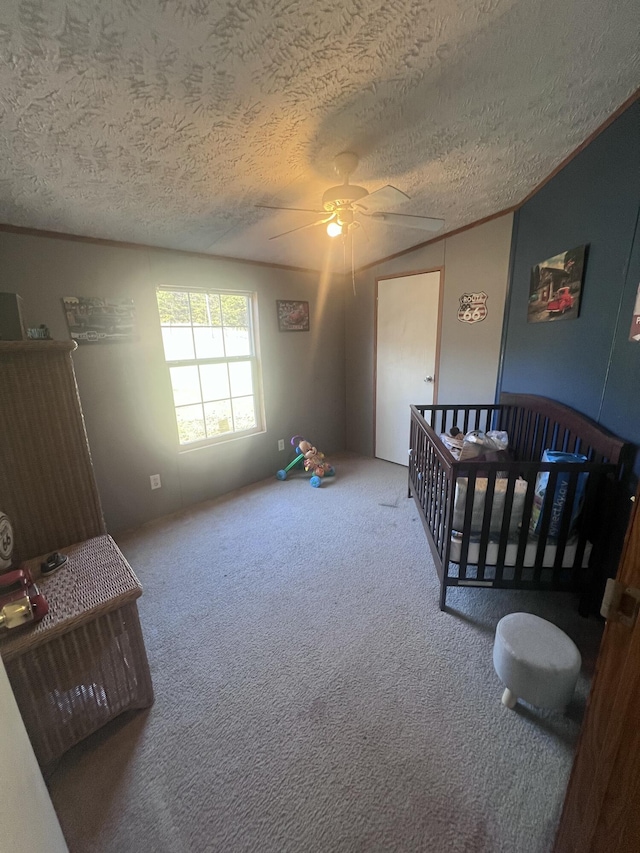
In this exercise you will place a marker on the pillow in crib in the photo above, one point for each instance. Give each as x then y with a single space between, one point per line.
497 508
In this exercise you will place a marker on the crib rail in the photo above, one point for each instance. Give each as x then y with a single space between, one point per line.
535 423
483 523
441 418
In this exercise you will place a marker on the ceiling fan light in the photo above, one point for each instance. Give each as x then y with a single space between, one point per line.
334 229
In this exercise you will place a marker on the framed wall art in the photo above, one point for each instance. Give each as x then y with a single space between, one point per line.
293 316
556 287
93 320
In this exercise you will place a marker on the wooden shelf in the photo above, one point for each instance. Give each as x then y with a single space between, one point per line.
37 346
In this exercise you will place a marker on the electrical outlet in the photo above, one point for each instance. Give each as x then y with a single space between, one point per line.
281 444
155 481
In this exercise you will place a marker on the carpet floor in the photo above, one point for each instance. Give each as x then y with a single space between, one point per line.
310 695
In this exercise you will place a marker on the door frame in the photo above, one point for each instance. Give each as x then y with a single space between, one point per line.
438 269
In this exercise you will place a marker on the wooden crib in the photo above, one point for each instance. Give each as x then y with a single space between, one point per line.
478 515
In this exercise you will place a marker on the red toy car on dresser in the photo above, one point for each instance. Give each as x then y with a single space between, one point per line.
561 302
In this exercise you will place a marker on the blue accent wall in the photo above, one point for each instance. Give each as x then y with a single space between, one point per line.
588 363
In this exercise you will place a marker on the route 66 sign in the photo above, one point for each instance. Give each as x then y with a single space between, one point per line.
473 307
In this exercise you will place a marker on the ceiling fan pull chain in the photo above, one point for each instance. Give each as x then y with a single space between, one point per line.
353 271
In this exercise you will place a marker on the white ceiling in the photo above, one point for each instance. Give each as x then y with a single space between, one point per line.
165 121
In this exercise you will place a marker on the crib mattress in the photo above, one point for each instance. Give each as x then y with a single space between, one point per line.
512 553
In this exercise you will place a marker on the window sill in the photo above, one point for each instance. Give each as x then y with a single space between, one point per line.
216 442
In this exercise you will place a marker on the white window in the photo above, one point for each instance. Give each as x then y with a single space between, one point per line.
210 350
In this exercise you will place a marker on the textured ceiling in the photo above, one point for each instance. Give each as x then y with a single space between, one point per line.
166 121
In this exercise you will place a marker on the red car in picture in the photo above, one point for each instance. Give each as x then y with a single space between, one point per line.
561 302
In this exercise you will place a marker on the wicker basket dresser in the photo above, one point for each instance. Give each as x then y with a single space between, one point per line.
86 662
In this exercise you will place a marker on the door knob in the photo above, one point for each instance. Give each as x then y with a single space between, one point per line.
428 379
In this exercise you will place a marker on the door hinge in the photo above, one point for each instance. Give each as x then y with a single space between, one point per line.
621 603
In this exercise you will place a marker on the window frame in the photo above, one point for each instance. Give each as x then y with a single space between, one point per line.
253 358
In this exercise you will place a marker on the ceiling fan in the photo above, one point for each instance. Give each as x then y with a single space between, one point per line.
344 204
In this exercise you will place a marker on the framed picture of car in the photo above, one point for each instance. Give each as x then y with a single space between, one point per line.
556 287
93 320
293 316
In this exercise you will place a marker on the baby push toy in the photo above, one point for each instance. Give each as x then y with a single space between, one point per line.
311 459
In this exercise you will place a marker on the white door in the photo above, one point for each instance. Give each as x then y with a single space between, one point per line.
406 352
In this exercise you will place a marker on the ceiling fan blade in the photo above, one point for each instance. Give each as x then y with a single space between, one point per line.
384 197
407 220
361 227
300 209
302 227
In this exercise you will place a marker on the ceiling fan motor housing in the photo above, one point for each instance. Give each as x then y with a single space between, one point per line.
342 196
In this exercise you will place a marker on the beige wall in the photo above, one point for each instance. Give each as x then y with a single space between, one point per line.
124 388
475 260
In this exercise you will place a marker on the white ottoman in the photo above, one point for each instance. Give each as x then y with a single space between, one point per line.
536 661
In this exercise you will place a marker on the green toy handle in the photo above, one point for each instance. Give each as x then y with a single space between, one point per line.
298 458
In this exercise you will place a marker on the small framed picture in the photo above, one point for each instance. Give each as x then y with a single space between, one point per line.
292 316
556 287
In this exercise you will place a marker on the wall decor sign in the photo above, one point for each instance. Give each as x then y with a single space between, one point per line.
556 287
473 307
39 333
292 316
92 320
634 334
